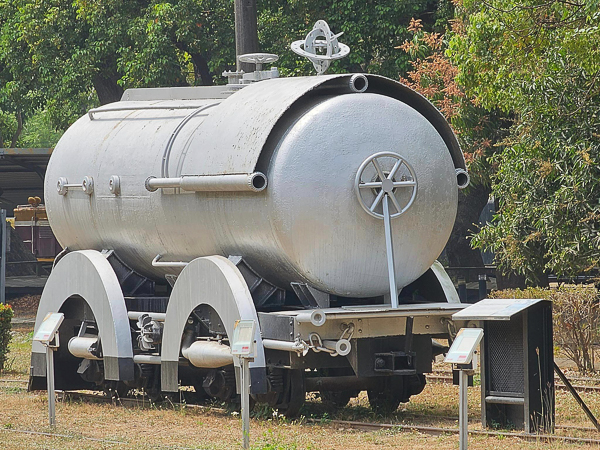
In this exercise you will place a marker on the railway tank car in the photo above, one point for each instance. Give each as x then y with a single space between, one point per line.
315 206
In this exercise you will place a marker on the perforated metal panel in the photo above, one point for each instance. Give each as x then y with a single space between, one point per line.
505 353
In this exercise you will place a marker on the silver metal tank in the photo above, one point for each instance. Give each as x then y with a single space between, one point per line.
309 136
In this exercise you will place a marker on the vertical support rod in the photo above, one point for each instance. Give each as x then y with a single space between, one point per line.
463 410
246 31
50 385
462 290
389 250
3 231
482 286
245 402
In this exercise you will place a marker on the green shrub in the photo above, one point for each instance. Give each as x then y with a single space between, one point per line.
576 318
6 314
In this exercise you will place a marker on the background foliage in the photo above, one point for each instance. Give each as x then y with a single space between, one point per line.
68 56
575 316
518 79
538 62
6 315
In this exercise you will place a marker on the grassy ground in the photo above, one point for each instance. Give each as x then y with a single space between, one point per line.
103 426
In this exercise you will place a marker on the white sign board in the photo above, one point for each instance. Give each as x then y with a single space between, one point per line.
464 345
243 339
48 328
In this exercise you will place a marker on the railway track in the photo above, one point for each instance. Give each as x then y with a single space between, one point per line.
438 431
365 426
558 386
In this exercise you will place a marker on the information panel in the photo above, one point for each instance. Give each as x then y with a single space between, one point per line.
243 338
48 328
464 345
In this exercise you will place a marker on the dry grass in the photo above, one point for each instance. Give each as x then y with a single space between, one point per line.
202 428
205 429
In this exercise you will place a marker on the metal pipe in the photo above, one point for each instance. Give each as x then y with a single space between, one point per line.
316 317
246 182
50 385
463 408
358 83
63 185
156 263
342 346
291 346
83 347
146 359
389 250
208 354
245 400
135 315
342 383
462 178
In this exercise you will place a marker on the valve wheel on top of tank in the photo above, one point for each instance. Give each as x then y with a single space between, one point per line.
258 59
384 183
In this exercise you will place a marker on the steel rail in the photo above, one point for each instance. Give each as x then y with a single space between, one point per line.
583 379
438 431
562 387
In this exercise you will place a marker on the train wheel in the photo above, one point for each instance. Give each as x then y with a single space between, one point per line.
339 399
115 389
387 399
383 402
294 393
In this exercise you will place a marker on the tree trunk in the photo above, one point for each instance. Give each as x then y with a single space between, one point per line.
246 31
201 70
458 248
106 87
509 281
15 137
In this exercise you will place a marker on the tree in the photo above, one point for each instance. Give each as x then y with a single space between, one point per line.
19 89
72 55
372 30
434 75
539 62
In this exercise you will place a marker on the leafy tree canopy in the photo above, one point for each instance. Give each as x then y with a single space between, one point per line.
71 55
372 30
68 56
539 62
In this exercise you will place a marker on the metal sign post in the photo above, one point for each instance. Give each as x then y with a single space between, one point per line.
461 355
3 231
242 346
47 335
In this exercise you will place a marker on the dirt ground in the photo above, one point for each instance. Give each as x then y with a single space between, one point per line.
84 425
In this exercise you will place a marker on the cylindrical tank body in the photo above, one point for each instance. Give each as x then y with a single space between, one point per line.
308 137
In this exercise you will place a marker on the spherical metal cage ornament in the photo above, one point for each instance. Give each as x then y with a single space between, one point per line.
321 47
384 183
